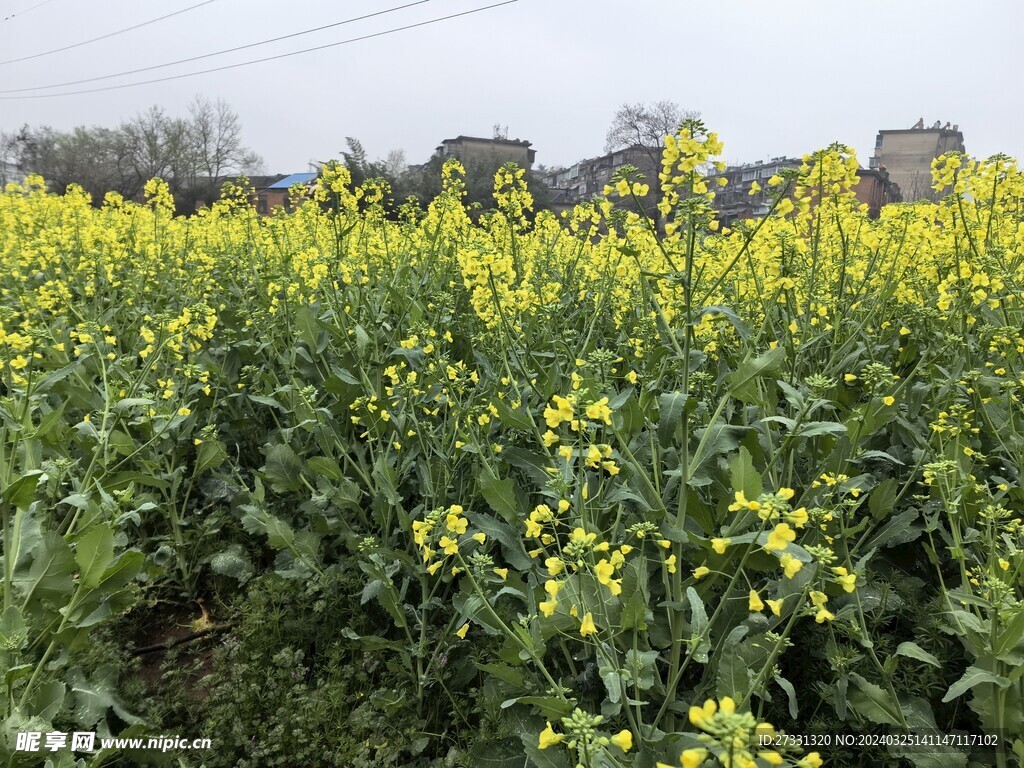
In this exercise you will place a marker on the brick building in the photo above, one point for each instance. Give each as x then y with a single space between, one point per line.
270 192
276 193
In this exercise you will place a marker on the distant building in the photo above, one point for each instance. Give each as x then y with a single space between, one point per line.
875 189
276 194
9 173
270 192
734 200
587 179
472 151
907 155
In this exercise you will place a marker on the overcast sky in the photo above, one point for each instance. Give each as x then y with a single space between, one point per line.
773 77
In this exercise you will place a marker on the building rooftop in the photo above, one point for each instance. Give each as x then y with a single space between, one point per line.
457 139
295 178
954 129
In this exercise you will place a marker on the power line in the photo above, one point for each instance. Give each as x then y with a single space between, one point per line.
266 58
217 53
108 35
22 13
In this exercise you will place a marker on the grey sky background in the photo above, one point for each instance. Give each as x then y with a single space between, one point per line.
773 77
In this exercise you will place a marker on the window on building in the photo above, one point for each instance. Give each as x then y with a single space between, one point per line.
261 204
749 175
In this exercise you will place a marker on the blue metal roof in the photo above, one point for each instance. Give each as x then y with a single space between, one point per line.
295 178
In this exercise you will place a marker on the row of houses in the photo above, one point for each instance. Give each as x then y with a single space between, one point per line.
740 199
900 169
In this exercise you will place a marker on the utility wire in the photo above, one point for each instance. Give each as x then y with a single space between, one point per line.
266 58
108 35
218 53
22 13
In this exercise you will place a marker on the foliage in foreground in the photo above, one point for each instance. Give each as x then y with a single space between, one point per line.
617 498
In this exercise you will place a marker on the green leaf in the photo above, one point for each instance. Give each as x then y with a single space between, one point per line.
914 651
49 576
512 418
671 406
872 701
511 542
278 533
211 455
94 696
972 677
124 479
744 477
504 672
533 463
787 686
641 668
737 668
269 402
743 381
362 341
13 630
816 428
698 616
94 552
897 531
306 325
52 424
54 377
232 562
321 465
634 612
500 495
283 469
22 491
381 589
1011 636
550 706
612 680
9 421
882 498
387 481
123 406
717 439
491 753
48 700
879 455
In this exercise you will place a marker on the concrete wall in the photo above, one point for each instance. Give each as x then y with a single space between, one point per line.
472 151
907 155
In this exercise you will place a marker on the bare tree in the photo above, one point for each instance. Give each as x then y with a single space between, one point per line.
153 145
394 164
645 125
193 155
8 153
88 157
216 137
